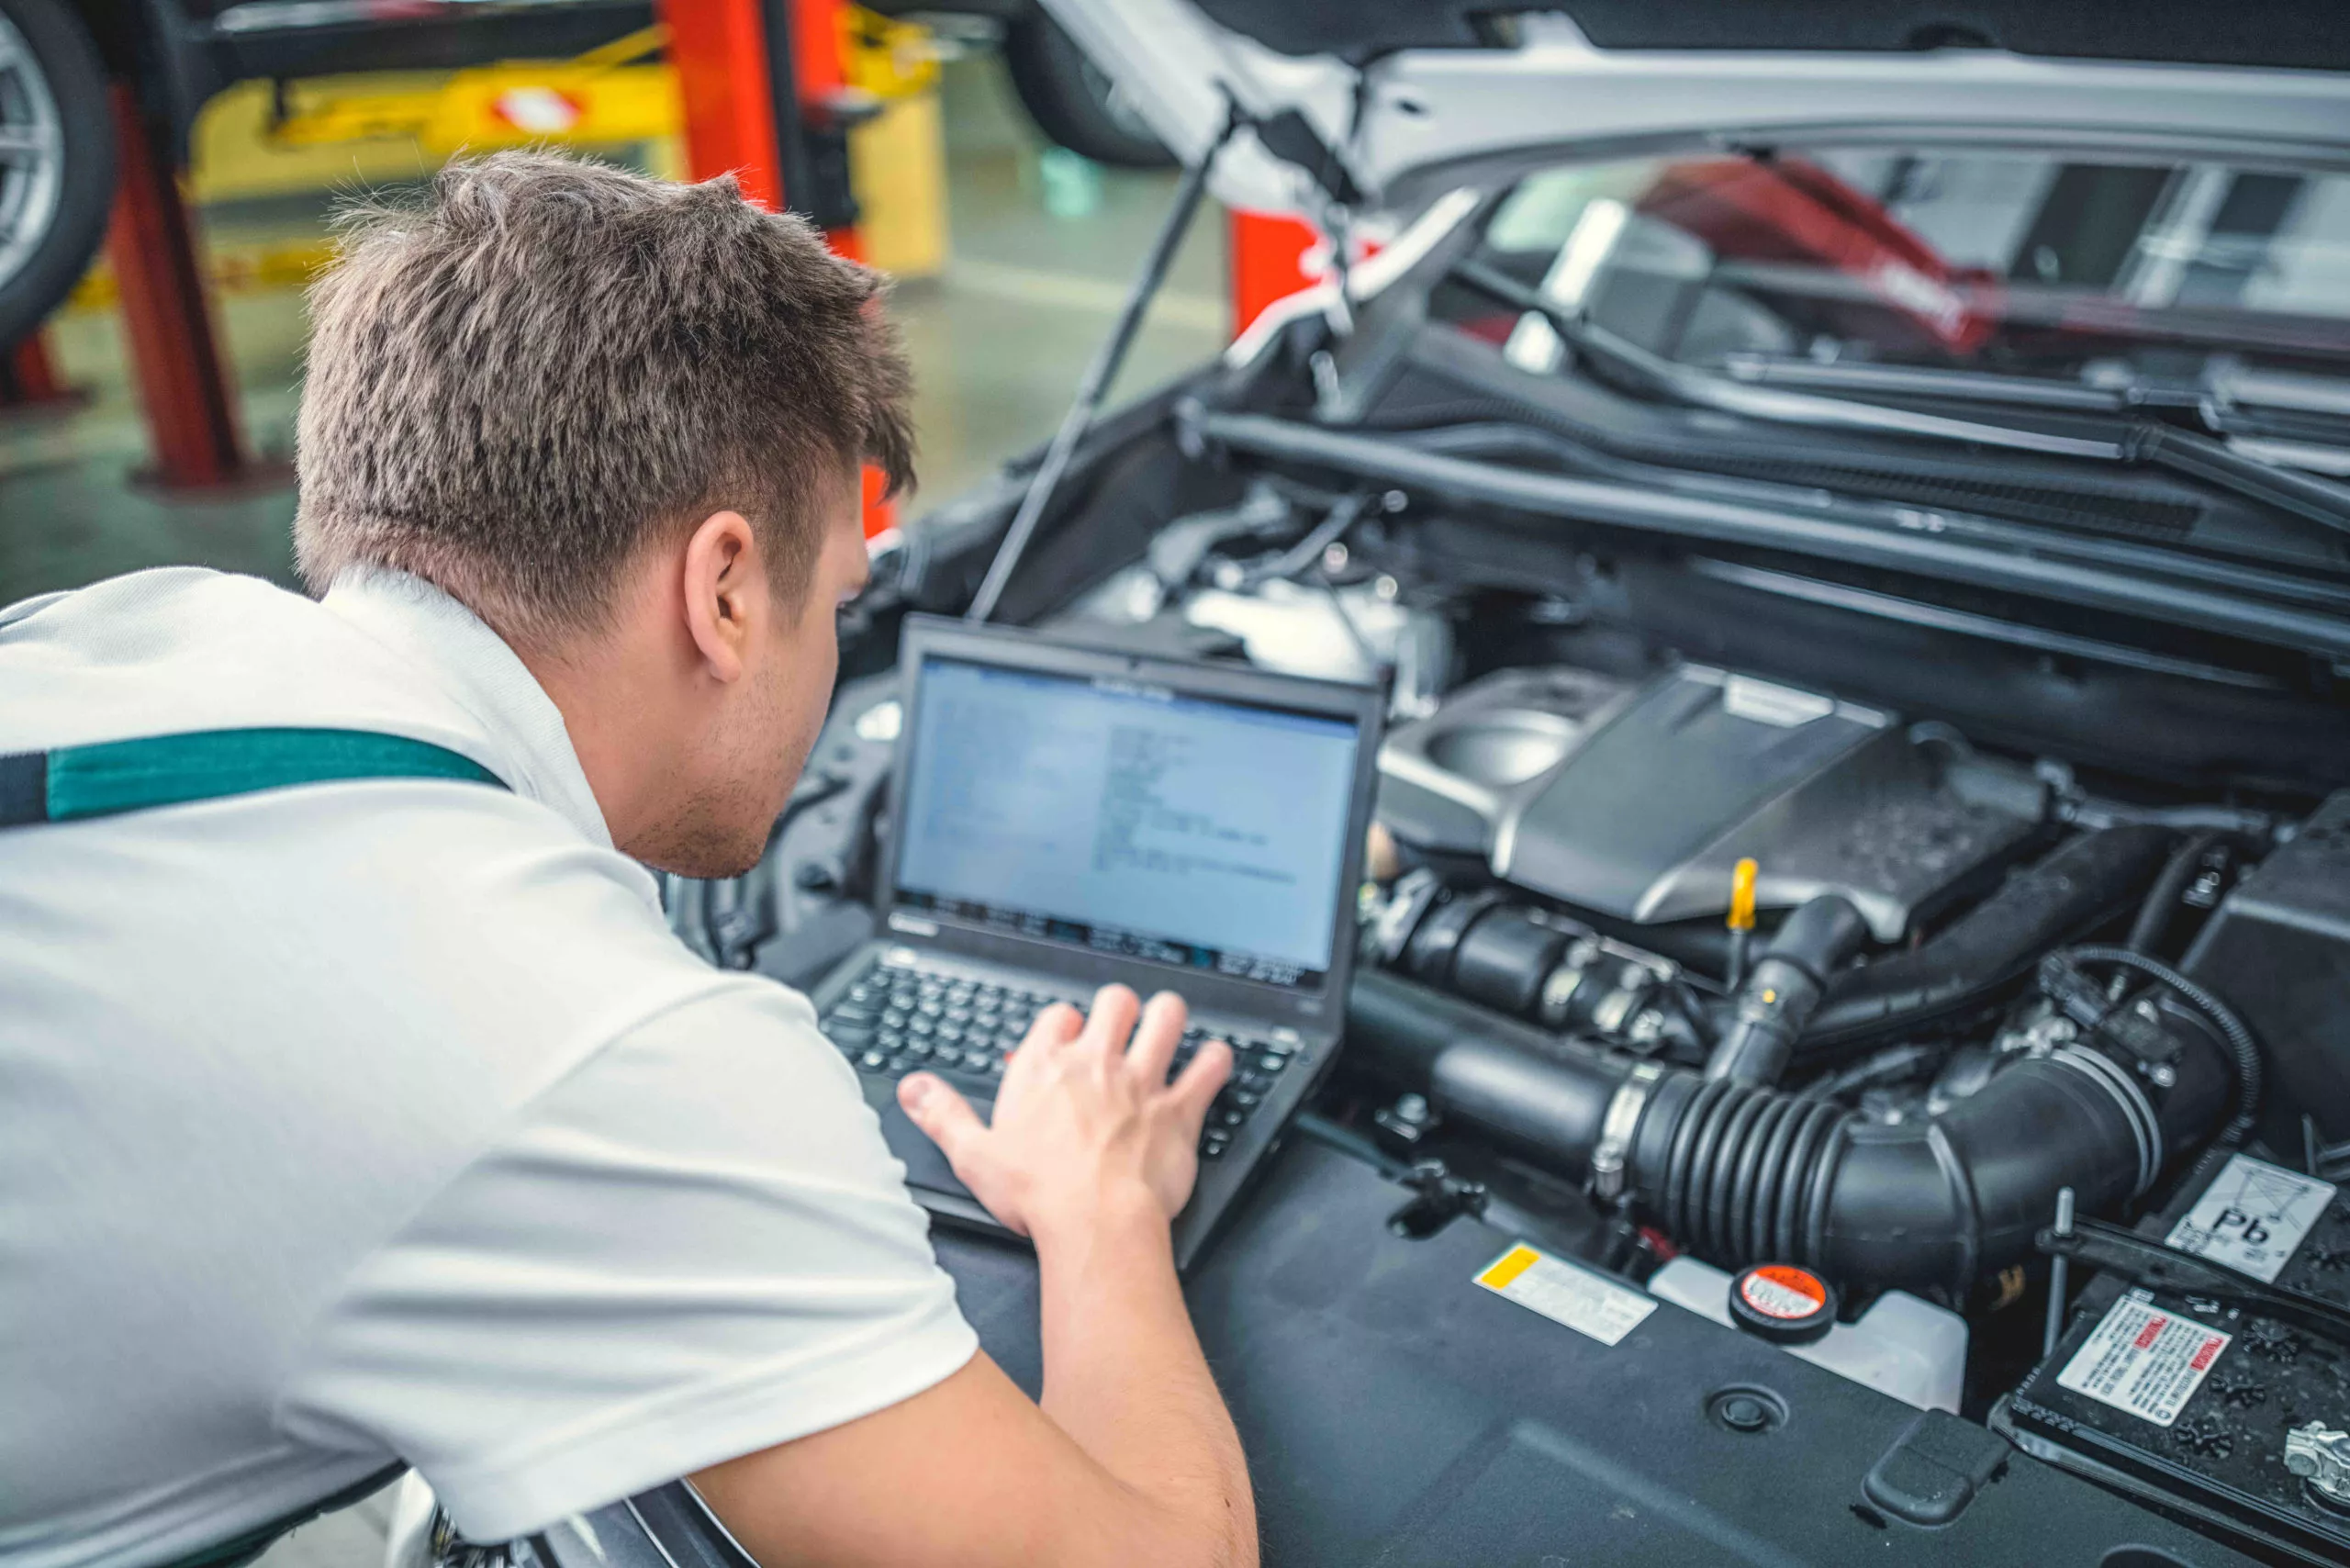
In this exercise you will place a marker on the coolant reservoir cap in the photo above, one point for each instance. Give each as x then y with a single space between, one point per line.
1783 1304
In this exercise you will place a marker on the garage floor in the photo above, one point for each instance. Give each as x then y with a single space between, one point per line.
997 344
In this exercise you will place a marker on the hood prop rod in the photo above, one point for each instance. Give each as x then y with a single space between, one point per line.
1099 375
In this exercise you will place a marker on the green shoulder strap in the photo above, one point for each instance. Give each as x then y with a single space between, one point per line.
72 783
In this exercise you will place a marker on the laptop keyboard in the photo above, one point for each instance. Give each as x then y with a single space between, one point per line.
899 1018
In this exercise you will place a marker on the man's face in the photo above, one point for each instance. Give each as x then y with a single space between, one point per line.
768 723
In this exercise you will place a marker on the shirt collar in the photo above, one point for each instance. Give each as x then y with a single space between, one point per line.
473 667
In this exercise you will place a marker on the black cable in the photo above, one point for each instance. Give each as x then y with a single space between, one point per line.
2162 900
1343 516
2233 1029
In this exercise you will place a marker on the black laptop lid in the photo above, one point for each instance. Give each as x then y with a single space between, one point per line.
1193 825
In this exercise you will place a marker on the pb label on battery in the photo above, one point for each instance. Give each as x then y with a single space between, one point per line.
2252 1216
2145 1359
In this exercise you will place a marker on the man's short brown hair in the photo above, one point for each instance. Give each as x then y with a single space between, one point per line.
517 382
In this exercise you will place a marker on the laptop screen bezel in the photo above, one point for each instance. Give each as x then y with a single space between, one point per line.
1014 648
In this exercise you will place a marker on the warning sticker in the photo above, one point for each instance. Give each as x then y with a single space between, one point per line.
2144 1361
1563 1292
2252 1216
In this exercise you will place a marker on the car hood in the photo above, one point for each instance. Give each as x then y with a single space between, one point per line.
1358 98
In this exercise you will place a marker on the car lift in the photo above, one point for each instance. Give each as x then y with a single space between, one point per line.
768 100
1268 256
192 415
766 96
28 377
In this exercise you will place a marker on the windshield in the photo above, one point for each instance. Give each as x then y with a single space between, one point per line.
1916 273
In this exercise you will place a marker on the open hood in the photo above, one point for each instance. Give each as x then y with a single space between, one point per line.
1383 90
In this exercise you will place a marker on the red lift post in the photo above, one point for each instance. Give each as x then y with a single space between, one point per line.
191 409
761 80
28 377
1266 254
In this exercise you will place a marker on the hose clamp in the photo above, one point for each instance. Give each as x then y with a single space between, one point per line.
1610 1159
2145 1126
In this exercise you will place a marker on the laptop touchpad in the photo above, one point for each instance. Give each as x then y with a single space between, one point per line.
925 1164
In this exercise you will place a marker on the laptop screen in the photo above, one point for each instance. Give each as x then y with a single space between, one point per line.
1127 818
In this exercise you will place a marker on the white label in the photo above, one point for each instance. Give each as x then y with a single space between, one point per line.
1588 1302
2252 1216
2144 1361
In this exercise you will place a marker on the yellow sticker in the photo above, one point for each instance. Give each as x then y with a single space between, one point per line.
1590 1303
1508 1266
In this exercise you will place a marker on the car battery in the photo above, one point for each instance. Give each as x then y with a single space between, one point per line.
2214 1414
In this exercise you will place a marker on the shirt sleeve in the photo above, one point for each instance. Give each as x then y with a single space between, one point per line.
693 1247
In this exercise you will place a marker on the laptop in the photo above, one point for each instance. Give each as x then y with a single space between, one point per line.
1065 817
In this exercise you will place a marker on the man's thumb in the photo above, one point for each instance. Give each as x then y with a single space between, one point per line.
933 1105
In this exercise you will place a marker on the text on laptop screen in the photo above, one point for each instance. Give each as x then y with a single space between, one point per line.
1127 818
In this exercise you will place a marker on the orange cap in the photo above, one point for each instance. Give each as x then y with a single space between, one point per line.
1742 896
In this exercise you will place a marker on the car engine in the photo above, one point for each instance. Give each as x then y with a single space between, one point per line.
1756 975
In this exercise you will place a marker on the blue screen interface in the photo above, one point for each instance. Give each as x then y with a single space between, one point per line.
1128 818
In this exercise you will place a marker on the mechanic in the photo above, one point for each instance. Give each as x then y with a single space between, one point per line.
384 1121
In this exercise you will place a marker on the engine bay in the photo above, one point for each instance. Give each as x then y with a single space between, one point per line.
1691 964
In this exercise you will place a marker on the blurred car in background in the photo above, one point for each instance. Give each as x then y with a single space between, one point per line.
1073 101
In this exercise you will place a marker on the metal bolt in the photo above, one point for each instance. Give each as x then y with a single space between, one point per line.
1334 557
1412 1108
2058 1277
1386 588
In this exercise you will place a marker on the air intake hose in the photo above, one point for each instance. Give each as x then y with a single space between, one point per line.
1741 1174
2089 881
1786 984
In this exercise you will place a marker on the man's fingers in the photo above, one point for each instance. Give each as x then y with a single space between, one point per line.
1112 1020
1156 1038
1208 1072
933 1105
1055 1025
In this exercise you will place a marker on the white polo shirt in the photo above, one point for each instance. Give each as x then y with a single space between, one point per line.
387 1120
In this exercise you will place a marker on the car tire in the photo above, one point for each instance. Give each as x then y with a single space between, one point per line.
1073 101
57 159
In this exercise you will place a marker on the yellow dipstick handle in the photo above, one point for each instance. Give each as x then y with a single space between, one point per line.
1742 896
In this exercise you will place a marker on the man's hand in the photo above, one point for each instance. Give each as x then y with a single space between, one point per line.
1131 1457
1087 1127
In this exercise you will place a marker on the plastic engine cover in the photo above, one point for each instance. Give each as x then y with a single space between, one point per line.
1644 805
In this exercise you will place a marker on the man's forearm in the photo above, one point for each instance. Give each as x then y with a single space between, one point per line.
1125 1377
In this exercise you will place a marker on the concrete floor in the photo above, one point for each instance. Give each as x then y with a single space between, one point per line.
997 342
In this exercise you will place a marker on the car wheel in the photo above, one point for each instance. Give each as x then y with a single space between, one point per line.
1073 101
56 159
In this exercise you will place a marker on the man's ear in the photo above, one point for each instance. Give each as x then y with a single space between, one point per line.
725 592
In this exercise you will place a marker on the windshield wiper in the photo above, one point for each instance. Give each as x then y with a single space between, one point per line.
1923 381
2133 442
